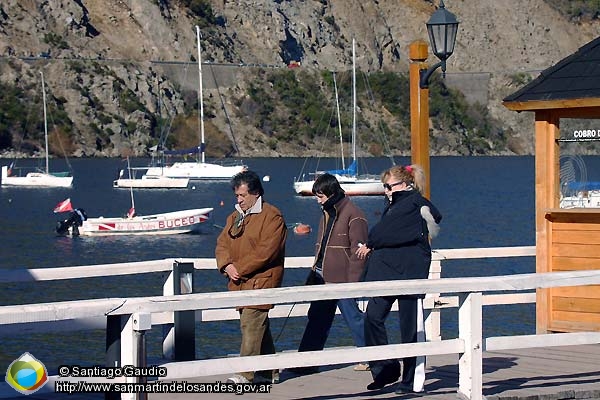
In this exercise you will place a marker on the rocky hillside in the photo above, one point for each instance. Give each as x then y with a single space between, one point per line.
118 78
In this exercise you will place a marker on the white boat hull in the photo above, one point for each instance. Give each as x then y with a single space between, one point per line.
35 179
147 182
584 199
352 186
196 171
176 222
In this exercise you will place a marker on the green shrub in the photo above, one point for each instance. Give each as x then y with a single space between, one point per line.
202 10
104 119
55 40
520 79
76 66
577 9
291 107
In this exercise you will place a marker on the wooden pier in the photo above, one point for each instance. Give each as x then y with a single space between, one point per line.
555 373
540 366
571 372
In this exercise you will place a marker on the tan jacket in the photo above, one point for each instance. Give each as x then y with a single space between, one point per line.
258 254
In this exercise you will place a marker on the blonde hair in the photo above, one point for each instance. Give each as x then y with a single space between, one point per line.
413 175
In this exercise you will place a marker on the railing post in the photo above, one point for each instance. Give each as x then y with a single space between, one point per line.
432 321
114 326
133 349
470 363
179 338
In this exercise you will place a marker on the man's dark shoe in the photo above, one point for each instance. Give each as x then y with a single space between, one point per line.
380 383
403 388
303 370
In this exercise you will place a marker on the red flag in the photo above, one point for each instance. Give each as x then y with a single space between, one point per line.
64 206
131 213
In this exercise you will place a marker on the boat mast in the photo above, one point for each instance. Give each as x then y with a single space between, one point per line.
200 95
131 186
337 105
45 121
354 100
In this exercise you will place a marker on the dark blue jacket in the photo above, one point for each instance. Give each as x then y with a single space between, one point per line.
399 242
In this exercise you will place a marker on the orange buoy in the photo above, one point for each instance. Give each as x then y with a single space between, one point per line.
301 229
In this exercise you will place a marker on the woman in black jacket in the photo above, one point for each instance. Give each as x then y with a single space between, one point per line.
398 248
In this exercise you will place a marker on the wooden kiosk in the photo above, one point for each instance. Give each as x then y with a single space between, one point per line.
566 239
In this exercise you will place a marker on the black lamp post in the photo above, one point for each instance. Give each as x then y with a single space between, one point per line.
442 28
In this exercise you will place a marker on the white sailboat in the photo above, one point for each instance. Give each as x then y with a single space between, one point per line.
151 182
38 178
349 179
169 223
197 170
147 182
581 195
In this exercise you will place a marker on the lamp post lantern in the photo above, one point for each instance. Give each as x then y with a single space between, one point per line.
441 28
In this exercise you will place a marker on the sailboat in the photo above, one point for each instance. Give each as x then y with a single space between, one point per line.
349 179
147 182
184 221
581 195
78 223
38 178
197 170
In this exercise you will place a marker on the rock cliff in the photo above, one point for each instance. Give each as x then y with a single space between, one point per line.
121 70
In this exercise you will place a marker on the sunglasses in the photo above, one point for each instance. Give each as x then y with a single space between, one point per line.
387 186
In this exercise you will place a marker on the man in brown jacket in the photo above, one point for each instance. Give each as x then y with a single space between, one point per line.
250 252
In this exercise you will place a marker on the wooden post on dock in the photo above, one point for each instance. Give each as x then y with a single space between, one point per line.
419 110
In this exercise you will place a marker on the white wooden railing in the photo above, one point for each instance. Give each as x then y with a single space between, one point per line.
432 302
144 312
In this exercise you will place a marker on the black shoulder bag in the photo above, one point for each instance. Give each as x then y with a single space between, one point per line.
313 278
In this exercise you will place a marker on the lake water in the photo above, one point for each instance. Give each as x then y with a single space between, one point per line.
485 202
